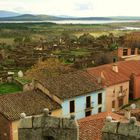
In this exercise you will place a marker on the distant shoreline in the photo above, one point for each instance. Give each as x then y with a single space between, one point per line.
75 21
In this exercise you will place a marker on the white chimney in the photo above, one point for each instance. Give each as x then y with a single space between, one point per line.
102 75
127 114
115 68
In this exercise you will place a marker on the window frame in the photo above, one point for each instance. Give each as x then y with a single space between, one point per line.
100 100
72 110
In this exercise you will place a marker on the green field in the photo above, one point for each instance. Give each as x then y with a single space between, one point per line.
8 32
7 88
79 52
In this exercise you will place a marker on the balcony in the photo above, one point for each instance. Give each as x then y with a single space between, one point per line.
89 106
122 93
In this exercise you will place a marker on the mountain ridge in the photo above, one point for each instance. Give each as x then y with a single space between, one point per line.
13 16
4 13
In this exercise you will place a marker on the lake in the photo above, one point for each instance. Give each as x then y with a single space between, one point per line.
129 28
74 21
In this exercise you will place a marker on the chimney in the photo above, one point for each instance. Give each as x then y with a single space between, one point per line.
99 80
102 75
127 114
115 68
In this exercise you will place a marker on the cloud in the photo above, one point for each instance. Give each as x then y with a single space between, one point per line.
83 6
74 7
21 10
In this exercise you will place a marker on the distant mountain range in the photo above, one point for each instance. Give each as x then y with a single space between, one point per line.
13 16
8 14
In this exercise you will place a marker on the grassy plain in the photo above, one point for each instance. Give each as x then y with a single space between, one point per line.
9 31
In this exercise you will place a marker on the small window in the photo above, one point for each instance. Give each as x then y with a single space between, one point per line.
100 98
88 102
114 59
121 89
99 110
125 52
132 51
120 102
72 106
88 113
113 104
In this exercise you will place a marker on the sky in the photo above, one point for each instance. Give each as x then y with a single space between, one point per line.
79 8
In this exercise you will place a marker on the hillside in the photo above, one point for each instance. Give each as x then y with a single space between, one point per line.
8 14
30 17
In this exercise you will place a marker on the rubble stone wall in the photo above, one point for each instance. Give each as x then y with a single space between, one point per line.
45 127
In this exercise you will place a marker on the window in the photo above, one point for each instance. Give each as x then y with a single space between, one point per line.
124 52
88 101
113 104
99 109
72 106
88 113
121 89
120 102
132 51
114 59
100 98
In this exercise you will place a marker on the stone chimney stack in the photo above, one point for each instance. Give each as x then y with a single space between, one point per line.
115 68
127 114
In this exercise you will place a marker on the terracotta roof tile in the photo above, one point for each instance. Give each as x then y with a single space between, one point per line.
125 69
90 127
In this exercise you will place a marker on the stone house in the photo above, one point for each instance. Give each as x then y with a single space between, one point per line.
12 105
78 93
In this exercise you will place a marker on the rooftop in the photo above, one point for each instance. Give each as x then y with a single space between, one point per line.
70 85
91 127
125 69
31 103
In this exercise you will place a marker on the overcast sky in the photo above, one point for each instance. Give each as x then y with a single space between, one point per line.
74 7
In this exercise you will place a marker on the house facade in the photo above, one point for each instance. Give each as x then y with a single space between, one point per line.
116 85
85 105
78 93
117 96
127 52
122 81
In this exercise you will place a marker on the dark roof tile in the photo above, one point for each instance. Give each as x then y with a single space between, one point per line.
31 103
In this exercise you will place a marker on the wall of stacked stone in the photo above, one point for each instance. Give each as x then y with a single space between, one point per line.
115 130
46 127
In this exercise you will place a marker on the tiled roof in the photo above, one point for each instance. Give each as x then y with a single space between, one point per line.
90 127
125 69
31 103
71 85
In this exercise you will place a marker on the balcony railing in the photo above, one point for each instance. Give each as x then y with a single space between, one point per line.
89 106
122 93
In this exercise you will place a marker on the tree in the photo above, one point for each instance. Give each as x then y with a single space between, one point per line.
113 46
49 68
86 39
69 39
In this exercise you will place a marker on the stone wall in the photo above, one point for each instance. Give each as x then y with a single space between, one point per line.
124 130
46 127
